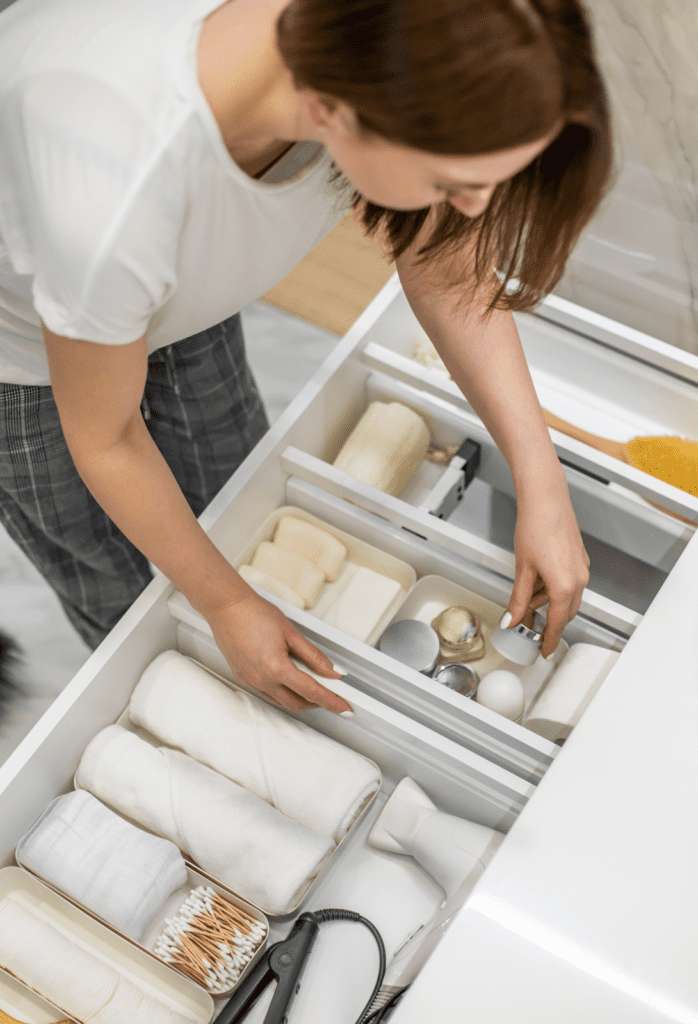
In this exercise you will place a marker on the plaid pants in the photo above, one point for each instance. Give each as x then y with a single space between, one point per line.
203 411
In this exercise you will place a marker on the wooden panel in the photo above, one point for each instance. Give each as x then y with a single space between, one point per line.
336 281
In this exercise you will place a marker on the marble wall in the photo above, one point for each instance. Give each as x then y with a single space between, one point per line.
638 259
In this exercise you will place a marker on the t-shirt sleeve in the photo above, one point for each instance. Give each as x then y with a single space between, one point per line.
90 204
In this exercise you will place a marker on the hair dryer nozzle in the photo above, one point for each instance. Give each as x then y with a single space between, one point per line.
452 850
397 823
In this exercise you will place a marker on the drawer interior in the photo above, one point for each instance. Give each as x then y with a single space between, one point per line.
392 891
448 712
632 545
602 390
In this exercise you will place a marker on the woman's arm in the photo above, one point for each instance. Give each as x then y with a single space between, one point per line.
484 356
98 391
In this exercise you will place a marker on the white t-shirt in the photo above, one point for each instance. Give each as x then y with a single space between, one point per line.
121 211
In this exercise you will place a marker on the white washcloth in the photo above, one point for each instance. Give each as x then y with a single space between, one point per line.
50 959
305 774
241 840
119 872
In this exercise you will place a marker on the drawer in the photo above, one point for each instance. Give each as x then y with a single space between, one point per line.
633 546
584 838
391 891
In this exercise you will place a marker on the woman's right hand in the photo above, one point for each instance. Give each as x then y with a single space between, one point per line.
258 641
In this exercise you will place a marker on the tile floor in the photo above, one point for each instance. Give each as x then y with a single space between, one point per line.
284 352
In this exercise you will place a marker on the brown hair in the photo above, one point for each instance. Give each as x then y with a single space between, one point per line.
459 77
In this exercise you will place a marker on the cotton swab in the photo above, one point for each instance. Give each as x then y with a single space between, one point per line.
210 940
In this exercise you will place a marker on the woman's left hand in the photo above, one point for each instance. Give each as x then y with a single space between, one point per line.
551 562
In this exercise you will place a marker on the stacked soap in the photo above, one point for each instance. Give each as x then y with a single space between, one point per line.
301 558
386 447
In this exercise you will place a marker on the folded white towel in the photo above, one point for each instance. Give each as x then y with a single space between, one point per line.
241 840
119 872
305 774
50 959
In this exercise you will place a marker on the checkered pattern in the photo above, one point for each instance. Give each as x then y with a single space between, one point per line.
203 411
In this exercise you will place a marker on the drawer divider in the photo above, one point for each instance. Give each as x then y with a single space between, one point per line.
466 545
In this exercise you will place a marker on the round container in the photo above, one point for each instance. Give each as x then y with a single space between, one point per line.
518 643
461 678
412 642
503 692
460 636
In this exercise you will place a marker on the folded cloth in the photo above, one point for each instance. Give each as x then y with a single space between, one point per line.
49 958
119 872
305 774
244 842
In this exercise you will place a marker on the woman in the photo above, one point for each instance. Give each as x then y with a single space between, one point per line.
133 214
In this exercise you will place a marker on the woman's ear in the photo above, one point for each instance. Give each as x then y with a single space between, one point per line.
330 115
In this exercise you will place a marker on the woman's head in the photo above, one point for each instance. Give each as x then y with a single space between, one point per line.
508 86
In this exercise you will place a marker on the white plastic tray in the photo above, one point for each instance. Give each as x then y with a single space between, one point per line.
359 554
431 594
150 974
148 940
20 1002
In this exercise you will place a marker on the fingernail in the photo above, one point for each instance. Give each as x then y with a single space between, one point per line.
505 620
346 714
551 657
339 670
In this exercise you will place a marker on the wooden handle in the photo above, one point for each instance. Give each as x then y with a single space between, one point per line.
616 449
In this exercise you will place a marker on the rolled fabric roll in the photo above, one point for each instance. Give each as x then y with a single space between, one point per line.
386 446
306 775
47 957
119 872
570 690
238 838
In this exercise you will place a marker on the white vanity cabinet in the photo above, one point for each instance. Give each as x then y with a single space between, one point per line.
588 909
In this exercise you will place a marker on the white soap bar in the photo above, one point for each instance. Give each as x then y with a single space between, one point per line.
295 570
321 547
363 602
386 447
271 585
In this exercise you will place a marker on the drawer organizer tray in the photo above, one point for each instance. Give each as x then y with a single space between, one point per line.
149 973
432 594
359 554
195 878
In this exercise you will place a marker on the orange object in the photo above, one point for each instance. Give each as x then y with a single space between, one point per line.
671 459
6 1019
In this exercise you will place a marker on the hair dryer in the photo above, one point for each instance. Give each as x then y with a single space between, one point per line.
454 851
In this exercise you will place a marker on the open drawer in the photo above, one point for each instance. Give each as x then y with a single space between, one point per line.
633 545
546 925
391 891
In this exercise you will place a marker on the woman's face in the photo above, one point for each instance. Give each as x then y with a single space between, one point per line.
400 178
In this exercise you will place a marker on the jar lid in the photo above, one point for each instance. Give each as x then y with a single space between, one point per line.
457 676
412 642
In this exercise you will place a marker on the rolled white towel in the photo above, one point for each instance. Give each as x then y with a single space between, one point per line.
119 872
305 774
571 688
53 961
234 835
